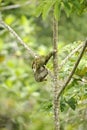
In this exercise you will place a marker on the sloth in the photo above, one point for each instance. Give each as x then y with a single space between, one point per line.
39 69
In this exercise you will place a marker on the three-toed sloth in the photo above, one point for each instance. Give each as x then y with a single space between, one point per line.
39 68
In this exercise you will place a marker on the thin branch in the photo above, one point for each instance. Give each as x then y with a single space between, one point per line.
73 70
15 6
70 54
56 103
18 38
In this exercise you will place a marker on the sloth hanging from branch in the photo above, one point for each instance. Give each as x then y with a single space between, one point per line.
39 69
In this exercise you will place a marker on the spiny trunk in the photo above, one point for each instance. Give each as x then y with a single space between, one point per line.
56 104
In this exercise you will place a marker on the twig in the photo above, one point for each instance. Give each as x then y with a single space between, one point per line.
73 70
69 56
18 38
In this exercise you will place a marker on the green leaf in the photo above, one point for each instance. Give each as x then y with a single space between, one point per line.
72 103
67 8
57 10
47 7
39 9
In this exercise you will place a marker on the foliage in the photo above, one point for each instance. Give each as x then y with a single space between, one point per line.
68 6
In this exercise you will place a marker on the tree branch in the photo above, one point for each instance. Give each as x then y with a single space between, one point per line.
73 70
18 38
70 54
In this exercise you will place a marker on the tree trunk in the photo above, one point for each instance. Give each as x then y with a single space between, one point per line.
56 103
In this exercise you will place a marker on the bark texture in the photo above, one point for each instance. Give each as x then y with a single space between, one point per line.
56 102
